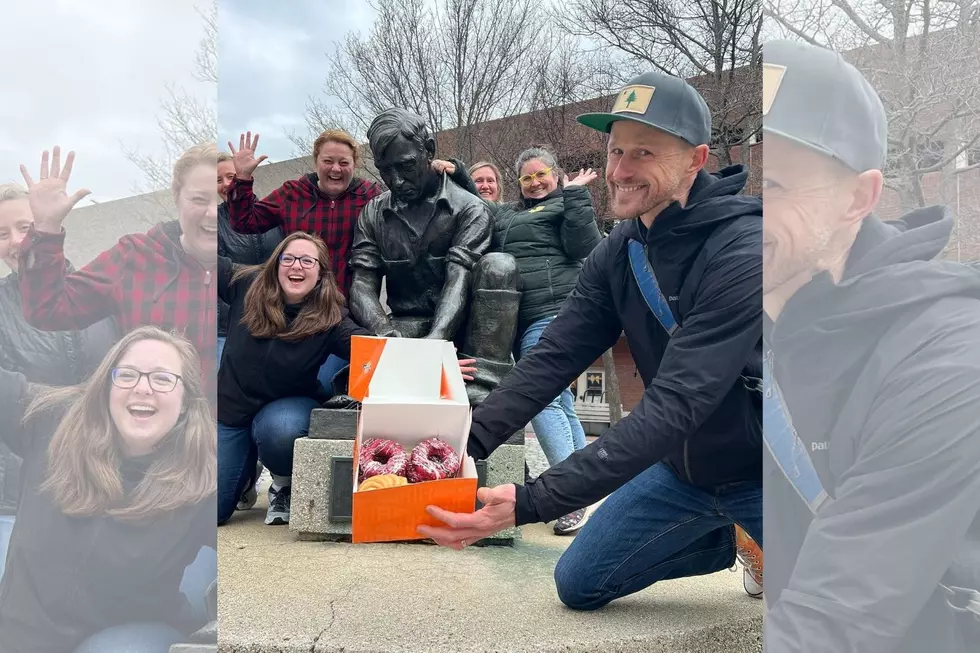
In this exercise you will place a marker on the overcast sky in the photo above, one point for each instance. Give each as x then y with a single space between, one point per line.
272 59
89 75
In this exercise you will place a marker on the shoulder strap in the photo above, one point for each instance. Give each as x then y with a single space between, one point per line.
790 455
649 287
785 446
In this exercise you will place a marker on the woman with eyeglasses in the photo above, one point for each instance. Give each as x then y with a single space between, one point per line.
286 317
549 230
118 500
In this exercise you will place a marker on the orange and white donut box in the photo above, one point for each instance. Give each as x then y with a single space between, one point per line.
410 390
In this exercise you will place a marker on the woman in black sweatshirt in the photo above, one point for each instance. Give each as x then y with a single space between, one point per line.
286 317
118 499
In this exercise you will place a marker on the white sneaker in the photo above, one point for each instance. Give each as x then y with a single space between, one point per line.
752 588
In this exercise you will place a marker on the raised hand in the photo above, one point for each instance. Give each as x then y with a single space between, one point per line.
584 177
48 196
244 157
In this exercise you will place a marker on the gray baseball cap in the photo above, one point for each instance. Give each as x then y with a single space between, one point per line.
662 101
811 96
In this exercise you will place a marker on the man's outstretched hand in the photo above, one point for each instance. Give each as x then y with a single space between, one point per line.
497 513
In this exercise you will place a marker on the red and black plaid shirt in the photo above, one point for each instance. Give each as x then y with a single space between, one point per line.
145 279
300 205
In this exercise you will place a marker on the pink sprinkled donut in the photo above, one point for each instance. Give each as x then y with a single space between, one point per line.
432 460
379 456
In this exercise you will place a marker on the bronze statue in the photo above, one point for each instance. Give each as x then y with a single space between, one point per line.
429 238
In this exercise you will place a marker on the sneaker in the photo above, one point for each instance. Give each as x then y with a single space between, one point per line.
571 522
750 555
249 497
278 513
251 493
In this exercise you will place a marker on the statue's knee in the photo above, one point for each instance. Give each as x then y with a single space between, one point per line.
496 271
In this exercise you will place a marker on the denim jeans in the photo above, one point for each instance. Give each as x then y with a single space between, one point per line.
6 528
221 348
557 427
132 638
144 637
329 370
268 438
656 527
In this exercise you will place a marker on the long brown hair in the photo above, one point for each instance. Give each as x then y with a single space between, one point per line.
84 455
265 303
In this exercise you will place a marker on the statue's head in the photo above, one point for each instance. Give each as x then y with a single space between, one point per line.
403 151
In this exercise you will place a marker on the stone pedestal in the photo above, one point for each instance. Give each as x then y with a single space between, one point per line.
323 467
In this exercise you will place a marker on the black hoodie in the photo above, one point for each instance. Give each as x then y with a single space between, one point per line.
881 375
696 413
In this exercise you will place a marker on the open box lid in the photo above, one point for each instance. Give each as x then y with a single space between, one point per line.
405 370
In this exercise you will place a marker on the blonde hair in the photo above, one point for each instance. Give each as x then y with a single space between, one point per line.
12 192
335 136
224 156
203 154
84 455
496 171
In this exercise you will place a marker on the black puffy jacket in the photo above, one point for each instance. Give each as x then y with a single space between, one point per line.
243 249
549 238
46 357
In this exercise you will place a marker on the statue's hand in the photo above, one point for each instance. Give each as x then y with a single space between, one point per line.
440 166
391 333
438 334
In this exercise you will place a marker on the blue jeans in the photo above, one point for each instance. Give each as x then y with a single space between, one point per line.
269 438
145 637
221 348
329 370
557 427
656 527
6 528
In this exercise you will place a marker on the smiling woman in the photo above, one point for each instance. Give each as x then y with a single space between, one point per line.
124 463
162 277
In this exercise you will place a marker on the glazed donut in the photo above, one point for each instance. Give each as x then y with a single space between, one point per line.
382 481
432 460
380 456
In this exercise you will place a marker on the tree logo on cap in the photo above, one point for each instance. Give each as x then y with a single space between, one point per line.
772 77
634 99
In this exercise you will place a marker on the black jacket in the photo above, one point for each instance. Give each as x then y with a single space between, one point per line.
47 357
243 249
881 375
697 413
69 577
549 238
257 371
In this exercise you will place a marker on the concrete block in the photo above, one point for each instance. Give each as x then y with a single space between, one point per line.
506 465
333 424
312 481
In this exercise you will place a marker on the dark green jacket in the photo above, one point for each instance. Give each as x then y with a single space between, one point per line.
549 238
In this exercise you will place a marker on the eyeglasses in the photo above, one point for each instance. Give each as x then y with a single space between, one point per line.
538 176
307 262
128 377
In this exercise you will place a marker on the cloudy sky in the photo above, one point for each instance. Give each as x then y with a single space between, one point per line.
272 60
89 75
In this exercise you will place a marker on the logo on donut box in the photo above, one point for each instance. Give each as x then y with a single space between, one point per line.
413 405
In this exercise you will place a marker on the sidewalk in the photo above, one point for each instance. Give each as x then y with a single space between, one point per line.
282 595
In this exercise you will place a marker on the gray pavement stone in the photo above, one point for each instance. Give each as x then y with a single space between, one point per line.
279 594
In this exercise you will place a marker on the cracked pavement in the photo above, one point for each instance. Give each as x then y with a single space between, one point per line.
278 594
